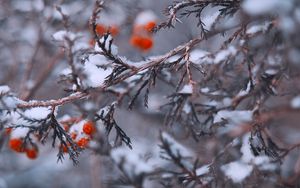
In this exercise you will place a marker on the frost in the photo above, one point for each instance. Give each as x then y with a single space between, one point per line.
235 117
295 102
258 7
187 89
63 35
237 171
224 54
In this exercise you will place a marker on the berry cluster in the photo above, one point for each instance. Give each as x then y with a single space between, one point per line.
141 37
17 144
80 131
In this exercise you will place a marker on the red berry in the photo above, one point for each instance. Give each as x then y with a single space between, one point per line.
89 128
82 142
32 153
16 144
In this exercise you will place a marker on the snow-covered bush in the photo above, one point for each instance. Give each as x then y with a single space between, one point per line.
206 95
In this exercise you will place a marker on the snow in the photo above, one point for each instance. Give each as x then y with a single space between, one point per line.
235 117
37 113
62 35
20 132
95 76
176 148
199 56
246 91
187 108
295 102
187 89
224 54
202 170
204 90
259 7
114 48
210 19
258 28
130 161
237 171
242 168
4 89
98 60
10 102
145 17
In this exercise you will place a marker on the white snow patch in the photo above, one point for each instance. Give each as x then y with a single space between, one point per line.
295 102
224 54
200 56
237 171
202 170
37 113
210 19
145 17
235 117
95 76
114 48
187 89
4 89
132 163
258 28
62 35
176 148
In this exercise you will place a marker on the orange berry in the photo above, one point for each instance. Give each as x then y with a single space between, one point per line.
8 130
66 126
149 26
64 148
32 153
114 30
89 128
100 29
16 144
146 43
73 135
135 40
143 43
82 142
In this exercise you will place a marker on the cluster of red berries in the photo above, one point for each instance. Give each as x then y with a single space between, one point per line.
18 145
80 131
142 36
